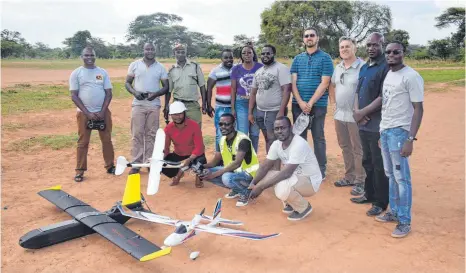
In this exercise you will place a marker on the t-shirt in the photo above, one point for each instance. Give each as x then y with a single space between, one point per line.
221 75
186 141
91 84
243 79
147 79
310 68
299 152
268 80
400 89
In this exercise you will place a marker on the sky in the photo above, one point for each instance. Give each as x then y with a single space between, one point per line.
51 22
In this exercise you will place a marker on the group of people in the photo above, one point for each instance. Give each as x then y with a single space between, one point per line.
378 111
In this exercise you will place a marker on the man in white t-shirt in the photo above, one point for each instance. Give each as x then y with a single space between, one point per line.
402 110
300 177
143 82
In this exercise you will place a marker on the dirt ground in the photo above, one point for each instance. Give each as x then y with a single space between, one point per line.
337 237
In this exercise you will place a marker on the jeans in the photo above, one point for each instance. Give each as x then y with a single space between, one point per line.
397 169
317 131
376 184
237 182
242 123
219 111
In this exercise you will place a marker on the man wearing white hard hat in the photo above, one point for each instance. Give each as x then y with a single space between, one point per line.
186 136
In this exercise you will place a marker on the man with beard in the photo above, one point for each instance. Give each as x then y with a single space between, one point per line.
271 91
311 72
402 110
91 92
220 77
239 158
184 78
367 113
186 136
300 176
146 74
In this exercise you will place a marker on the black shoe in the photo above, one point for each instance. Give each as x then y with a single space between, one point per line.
360 200
374 211
134 171
111 170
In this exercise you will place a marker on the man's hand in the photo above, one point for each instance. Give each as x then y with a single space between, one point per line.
358 115
364 121
306 108
407 149
251 186
92 116
100 115
251 118
208 175
256 191
204 109
151 96
210 111
138 95
165 112
280 114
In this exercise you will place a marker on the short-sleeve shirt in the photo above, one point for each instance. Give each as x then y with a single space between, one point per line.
147 79
221 75
299 152
268 80
369 88
346 82
185 81
310 68
91 84
186 141
244 80
400 89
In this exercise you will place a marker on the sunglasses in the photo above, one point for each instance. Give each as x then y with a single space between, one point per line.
312 35
266 54
342 78
222 124
395 52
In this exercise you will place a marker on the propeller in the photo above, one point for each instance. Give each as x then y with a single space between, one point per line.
197 218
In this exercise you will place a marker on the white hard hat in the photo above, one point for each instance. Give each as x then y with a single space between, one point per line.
176 108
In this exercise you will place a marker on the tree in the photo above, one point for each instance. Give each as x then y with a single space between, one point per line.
13 44
440 48
398 35
241 40
284 23
453 16
78 42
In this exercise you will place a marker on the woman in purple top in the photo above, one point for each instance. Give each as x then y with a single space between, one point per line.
241 85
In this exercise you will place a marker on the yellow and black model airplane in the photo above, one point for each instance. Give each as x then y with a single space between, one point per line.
88 220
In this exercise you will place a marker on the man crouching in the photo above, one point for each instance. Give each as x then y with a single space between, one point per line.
300 177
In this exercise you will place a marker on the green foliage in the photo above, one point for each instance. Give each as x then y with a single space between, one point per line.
398 35
441 75
453 16
54 142
78 42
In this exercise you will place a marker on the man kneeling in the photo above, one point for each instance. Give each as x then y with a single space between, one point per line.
300 177
239 158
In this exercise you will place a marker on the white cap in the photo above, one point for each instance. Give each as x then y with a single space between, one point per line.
176 108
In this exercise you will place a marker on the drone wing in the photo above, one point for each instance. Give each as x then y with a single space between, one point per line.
156 163
234 233
147 216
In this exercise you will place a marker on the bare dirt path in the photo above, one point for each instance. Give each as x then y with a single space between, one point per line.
337 237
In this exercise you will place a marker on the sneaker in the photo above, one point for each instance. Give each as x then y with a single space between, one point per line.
232 194
111 170
358 190
288 209
296 216
401 230
387 217
242 201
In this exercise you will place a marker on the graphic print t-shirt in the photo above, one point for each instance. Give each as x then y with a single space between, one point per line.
244 79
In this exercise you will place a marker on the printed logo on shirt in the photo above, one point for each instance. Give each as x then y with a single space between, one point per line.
99 79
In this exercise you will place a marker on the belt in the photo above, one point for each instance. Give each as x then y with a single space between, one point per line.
185 101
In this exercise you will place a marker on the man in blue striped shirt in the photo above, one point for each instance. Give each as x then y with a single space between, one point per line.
311 73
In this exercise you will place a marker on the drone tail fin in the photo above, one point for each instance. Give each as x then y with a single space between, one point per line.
217 210
132 193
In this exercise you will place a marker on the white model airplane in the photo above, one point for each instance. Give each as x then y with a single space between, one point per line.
187 229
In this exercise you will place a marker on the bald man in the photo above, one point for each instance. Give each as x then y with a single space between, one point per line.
143 82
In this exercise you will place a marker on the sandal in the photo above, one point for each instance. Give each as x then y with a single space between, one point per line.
111 170
343 183
176 179
199 183
79 177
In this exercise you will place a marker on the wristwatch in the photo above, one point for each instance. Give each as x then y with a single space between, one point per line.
411 138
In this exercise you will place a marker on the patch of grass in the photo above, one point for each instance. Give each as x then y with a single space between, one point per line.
432 63
458 83
13 126
445 75
54 142
27 98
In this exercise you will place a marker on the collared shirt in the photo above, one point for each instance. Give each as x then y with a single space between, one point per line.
310 68
370 84
346 82
186 141
147 79
221 75
184 81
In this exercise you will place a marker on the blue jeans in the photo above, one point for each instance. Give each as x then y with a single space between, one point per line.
398 173
317 131
242 123
237 182
219 111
